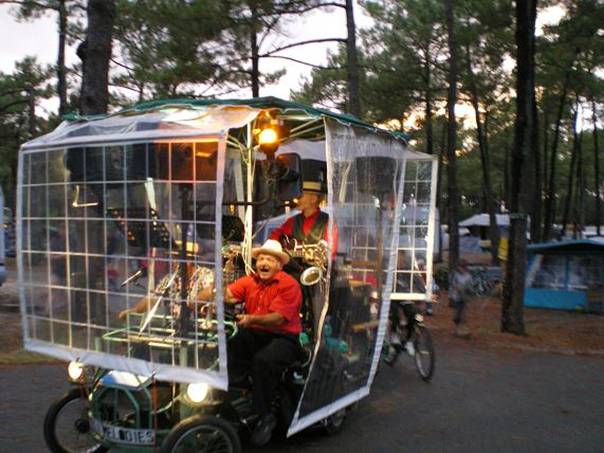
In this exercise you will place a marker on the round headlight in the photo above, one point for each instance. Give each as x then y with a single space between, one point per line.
75 370
197 392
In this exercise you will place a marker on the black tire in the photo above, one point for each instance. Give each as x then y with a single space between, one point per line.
66 425
202 433
333 423
424 353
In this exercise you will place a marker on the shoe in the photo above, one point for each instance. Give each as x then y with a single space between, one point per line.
462 332
391 356
264 430
410 348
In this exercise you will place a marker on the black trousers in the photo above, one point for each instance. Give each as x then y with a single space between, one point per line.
263 356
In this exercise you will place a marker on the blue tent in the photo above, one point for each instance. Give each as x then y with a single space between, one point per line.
567 275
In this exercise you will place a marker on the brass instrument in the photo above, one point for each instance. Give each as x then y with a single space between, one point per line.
316 256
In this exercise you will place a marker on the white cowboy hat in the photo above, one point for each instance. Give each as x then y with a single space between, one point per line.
272 247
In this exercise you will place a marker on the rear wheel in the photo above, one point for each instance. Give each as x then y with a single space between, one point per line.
424 353
333 423
202 433
67 425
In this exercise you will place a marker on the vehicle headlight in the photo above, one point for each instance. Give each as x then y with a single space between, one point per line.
197 392
75 370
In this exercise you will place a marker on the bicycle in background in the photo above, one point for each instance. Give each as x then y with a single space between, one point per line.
409 334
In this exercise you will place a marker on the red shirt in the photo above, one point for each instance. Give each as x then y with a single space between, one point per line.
281 295
287 229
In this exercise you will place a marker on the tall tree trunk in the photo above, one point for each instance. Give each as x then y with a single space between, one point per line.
485 162
506 177
429 128
580 202
31 114
255 75
571 173
352 72
550 205
596 165
536 205
545 148
61 71
95 54
512 312
452 191
439 184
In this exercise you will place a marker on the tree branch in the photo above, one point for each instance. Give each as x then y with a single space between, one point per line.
22 3
10 104
301 62
302 43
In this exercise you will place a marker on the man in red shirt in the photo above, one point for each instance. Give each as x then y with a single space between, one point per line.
267 339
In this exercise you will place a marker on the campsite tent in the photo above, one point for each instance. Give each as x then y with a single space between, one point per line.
567 275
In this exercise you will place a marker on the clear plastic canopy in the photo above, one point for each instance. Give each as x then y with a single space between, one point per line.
125 221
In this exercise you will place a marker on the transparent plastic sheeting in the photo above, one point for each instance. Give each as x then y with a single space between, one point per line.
90 218
413 276
167 122
365 185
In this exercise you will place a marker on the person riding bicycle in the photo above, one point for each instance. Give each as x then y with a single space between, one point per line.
410 311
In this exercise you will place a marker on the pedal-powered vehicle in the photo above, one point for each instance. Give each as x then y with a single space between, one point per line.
160 201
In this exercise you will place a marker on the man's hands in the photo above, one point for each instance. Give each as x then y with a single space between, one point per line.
123 314
244 320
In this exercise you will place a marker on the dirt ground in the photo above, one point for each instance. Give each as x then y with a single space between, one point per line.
546 330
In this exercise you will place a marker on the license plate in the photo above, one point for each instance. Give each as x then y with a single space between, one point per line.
124 435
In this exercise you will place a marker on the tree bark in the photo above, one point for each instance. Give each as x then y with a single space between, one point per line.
571 173
536 204
452 190
512 313
354 99
95 53
61 71
439 184
550 205
580 202
485 162
596 165
428 96
544 155
255 75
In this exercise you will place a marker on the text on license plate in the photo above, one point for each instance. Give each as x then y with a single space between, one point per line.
124 435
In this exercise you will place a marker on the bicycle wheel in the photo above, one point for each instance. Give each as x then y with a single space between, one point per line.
424 353
67 427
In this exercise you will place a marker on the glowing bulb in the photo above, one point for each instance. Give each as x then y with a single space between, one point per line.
198 392
268 137
75 370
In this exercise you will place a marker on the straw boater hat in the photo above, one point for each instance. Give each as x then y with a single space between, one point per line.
272 247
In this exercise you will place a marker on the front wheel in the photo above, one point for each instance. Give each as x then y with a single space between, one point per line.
202 433
424 353
67 425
